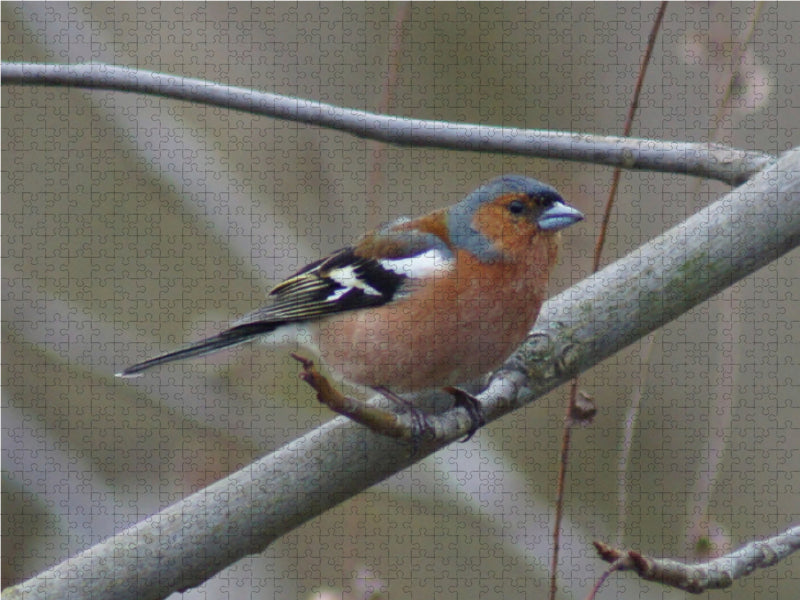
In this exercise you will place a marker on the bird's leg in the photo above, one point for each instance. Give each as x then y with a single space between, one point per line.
419 418
472 406
390 395
460 398
378 420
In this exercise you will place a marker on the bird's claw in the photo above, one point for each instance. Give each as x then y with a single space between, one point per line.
471 405
380 420
377 419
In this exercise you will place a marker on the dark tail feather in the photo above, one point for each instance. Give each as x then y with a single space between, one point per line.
230 337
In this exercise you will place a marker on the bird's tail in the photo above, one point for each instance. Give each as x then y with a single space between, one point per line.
230 337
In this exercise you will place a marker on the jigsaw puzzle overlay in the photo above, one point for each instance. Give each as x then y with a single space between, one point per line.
134 224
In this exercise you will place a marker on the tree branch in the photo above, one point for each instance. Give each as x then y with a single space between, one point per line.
242 514
713 161
714 575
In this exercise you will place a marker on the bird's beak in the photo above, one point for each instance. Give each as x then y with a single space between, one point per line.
559 216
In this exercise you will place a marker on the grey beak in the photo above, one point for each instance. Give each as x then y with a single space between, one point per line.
559 216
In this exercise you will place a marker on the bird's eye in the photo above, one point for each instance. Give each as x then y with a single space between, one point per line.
516 207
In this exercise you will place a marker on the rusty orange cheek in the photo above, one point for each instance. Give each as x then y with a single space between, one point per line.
509 234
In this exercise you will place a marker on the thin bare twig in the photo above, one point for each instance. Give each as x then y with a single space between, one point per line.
617 565
723 109
377 194
701 535
713 575
626 131
631 419
713 161
598 252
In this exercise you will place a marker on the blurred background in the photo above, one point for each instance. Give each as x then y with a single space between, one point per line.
133 224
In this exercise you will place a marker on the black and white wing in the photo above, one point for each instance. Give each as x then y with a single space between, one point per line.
339 283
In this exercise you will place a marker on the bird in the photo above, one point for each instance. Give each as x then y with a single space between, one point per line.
422 302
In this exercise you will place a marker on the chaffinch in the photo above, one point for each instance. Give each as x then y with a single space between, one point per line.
436 300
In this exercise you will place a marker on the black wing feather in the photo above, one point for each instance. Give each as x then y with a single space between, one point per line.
311 293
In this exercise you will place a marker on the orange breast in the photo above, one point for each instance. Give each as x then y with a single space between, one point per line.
452 329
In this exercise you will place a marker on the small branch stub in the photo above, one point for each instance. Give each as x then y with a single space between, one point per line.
715 574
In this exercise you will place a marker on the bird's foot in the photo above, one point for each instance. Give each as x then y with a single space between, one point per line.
420 422
381 421
472 406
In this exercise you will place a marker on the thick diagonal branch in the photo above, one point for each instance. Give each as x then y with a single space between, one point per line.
242 514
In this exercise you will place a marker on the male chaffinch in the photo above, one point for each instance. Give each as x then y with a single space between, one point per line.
436 300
